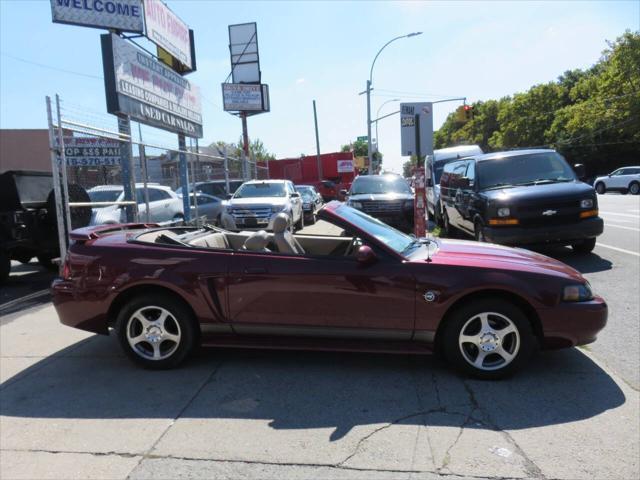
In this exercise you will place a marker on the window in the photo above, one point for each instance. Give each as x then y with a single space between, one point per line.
156 194
372 184
262 189
524 169
471 171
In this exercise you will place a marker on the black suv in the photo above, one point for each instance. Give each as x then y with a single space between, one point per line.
522 197
387 197
28 224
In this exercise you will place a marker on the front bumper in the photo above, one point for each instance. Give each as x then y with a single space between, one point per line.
563 234
570 324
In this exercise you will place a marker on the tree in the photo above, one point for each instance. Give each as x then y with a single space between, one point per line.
360 148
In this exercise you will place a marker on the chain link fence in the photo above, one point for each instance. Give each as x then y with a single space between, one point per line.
107 177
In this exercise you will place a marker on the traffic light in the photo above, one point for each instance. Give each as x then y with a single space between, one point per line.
468 112
464 113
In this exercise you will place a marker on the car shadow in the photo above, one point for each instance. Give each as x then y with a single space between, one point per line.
24 281
301 390
584 263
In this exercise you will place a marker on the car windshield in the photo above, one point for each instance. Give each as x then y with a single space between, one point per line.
252 190
526 169
306 195
104 195
379 184
395 239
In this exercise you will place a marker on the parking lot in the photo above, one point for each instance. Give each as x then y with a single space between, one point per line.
74 407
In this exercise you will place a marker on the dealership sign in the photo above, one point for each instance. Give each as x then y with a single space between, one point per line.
423 112
91 151
139 86
123 15
165 29
243 97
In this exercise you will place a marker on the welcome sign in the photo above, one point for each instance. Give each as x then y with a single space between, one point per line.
123 15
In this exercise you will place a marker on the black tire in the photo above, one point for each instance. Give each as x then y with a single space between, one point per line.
312 219
25 259
600 188
448 230
437 215
178 218
5 266
478 231
634 188
80 216
300 223
523 341
46 261
585 247
187 330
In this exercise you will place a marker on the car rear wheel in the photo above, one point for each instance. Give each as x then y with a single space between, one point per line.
634 188
155 332
449 231
488 339
5 266
585 247
46 261
600 188
478 231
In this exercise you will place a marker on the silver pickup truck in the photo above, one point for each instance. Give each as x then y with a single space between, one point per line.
256 202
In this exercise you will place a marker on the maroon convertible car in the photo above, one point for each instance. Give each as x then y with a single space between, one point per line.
363 286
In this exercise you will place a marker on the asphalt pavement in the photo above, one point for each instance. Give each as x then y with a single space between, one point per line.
72 406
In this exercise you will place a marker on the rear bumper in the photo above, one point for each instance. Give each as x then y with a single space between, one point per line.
87 311
564 234
572 324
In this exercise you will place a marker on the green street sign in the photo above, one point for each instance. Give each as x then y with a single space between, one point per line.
363 139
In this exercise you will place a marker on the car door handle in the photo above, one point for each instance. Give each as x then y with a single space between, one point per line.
254 270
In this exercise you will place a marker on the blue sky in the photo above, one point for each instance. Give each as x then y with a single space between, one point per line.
321 51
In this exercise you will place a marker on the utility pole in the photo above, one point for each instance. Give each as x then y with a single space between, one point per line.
369 152
315 120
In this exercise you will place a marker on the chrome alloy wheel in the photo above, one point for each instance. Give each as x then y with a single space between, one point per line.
489 341
153 333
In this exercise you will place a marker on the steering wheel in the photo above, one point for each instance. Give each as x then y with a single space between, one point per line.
353 247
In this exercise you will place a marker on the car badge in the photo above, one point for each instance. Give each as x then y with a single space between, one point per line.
430 296
548 213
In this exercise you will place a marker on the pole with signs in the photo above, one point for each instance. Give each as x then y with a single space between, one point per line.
184 176
315 120
419 224
124 129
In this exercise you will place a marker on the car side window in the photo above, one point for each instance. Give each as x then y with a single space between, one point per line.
617 172
157 194
471 172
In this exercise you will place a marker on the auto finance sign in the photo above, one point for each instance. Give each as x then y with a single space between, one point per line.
91 151
139 86
123 15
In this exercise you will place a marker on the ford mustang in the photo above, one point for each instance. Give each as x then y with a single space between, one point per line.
362 286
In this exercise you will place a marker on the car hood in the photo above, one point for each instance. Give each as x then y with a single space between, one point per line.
489 255
381 196
545 192
241 202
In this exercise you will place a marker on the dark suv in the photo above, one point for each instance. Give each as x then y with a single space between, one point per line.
387 197
523 197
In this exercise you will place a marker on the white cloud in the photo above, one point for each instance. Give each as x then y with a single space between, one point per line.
300 80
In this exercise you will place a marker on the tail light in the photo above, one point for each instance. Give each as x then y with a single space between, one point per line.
66 268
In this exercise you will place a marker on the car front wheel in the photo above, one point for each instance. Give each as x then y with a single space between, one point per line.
634 188
600 188
300 222
156 332
585 247
488 339
479 232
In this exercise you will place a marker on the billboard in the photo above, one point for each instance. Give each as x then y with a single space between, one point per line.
243 48
165 29
244 97
91 151
123 15
408 112
345 166
139 86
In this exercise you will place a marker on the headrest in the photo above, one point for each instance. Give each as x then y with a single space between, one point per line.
257 241
280 222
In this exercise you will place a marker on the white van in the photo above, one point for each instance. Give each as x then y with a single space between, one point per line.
435 166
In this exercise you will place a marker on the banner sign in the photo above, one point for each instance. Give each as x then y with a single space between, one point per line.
243 48
123 15
345 166
408 112
166 30
91 151
139 86
242 97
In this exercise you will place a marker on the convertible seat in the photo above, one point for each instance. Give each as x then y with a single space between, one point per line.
257 242
212 240
283 238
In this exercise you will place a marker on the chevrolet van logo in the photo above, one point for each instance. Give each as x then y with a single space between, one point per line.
548 213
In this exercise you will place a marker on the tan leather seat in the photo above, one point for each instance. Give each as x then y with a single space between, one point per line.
257 242
284 239
213 240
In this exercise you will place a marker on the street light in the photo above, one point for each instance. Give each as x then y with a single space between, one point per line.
369 83
376 120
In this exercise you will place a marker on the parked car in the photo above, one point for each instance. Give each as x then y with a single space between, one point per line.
28 223
523 197
486 308
256 202
387 197
311 202
217 188
435 166
164 205
623 180
209 206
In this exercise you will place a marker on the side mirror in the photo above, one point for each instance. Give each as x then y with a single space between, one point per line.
229 195
580 170
344 192
295 195
365 256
